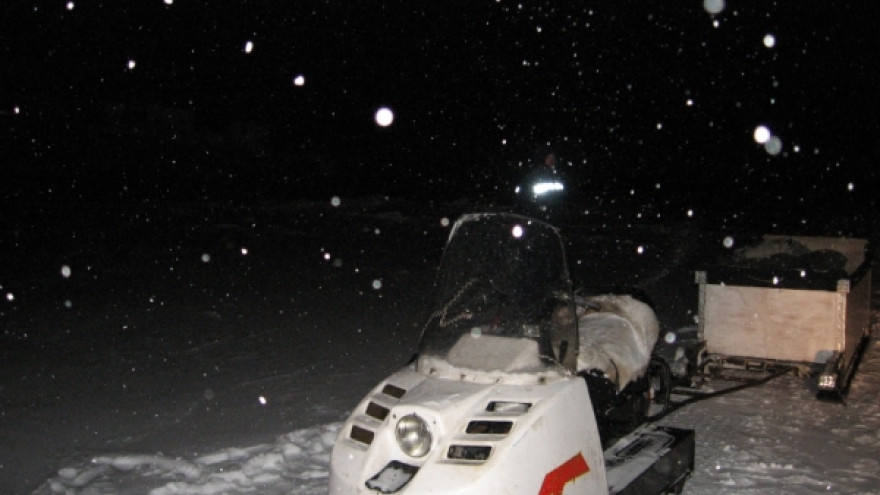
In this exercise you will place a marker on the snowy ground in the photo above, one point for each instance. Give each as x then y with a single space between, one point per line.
206 349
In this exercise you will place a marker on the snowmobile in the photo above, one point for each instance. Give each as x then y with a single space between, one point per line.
519 385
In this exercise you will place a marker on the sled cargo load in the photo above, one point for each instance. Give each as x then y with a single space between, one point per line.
791 300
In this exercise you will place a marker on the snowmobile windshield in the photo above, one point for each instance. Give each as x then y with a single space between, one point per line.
503 303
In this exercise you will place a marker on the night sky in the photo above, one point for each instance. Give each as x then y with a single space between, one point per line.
154 100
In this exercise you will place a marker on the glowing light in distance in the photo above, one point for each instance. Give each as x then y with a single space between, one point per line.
769 41
384 116
65 271
545 187
299 80
248 46
517 231
131 64
70 5
727 242
335 201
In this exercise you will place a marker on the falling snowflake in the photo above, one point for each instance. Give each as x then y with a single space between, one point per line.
384 116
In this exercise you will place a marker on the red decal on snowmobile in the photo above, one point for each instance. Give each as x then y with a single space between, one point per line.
555 480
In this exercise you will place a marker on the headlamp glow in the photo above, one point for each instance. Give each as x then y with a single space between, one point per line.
540 188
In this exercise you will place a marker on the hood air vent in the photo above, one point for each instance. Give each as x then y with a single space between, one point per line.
377 411
489 427
361 435
506 407
392 391
469 452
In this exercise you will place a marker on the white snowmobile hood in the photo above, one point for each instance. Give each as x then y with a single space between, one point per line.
481 427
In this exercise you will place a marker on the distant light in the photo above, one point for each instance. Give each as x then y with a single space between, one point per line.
377 284
713 6
659 125
761 134
244 251
541 188
850 187
517 231
327 256
727 242
168 2
68 303
769 41
70 5
690 213
262 400
248 46
65 271
640 249
384 116
444 222
10 296
16 110
775 280
335 201
689 102
131 64
206 258
299 80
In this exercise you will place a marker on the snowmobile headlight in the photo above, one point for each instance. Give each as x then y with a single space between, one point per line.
413 435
